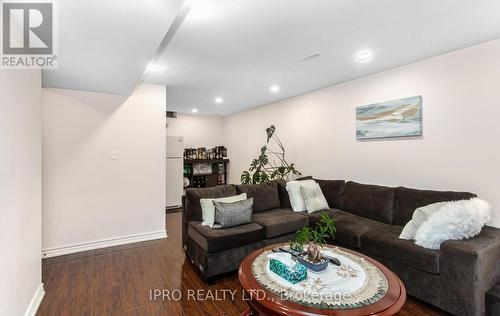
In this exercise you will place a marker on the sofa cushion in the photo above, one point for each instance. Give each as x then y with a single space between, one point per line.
351 227
208 207
265 195
215 240
420 216
370 201
314 198
385 242
315 218
193 196
456 220
279 222
333 190
232 214
408 200
283 193
294 189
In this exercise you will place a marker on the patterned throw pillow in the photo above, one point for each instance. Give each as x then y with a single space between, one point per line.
232 214
208 208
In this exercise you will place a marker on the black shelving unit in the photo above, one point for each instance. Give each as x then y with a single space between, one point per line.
218 175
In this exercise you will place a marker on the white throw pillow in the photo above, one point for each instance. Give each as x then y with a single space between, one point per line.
314 198
420 215
296 200
208 208
454 221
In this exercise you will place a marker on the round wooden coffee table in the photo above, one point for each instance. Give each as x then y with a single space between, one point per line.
264 302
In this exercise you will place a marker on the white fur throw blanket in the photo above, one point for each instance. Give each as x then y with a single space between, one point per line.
455 220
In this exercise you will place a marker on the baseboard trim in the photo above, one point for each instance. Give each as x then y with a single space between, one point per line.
35 301
103 243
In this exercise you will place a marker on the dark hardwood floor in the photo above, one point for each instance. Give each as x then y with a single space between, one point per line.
119 281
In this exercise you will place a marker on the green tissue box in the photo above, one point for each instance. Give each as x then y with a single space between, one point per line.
293 274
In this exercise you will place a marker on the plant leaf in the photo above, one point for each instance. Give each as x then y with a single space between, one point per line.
270 132
245 177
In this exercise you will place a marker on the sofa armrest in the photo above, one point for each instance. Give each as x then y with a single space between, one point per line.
469 268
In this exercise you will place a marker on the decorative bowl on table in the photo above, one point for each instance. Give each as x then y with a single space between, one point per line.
314 266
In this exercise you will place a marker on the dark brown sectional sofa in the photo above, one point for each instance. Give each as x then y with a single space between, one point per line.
369 220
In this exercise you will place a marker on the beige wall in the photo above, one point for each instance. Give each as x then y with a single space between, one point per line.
198 131
458 151
89 196
20 190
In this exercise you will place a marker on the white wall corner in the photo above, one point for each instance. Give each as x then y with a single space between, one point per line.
35 301
103 243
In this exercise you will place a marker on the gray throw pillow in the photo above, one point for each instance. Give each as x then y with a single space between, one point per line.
232 214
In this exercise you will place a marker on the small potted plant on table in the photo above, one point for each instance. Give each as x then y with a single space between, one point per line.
310 240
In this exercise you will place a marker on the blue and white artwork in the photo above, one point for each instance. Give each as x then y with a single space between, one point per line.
396 118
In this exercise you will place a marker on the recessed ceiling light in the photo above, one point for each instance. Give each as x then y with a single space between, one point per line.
153 67
194 110
364 56
218 100
274 88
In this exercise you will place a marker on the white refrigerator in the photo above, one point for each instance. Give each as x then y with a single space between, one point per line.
175 171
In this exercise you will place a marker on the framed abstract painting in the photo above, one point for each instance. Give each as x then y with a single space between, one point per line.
396 118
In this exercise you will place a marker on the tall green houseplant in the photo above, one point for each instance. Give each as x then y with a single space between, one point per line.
271 164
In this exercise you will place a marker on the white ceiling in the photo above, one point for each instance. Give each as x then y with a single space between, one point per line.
105 45
235 49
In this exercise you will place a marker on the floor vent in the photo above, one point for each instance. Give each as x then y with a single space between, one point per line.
171 114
